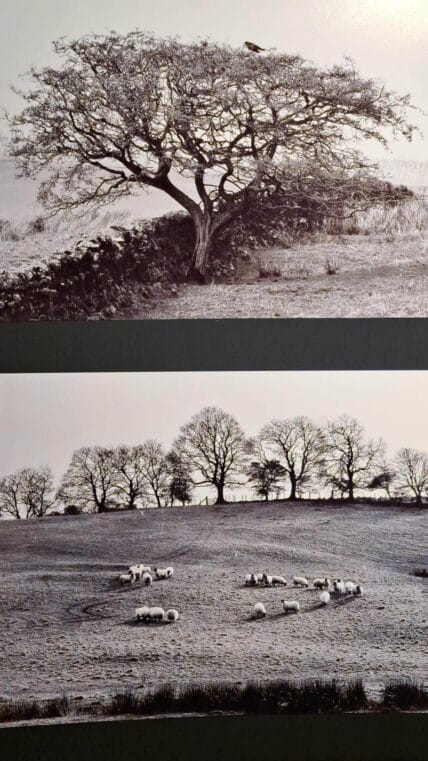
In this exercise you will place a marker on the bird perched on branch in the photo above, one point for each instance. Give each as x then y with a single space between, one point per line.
253 47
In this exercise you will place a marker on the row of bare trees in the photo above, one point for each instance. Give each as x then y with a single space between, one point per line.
212 450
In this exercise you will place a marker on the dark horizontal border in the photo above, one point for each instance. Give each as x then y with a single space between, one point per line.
155 345
357 737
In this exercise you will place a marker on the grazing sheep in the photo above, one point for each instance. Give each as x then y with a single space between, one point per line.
267 580
259 577
156 615
259 610
300 581
279 580
290 606
142 613
126 578
358 590
349 587
251 580
324 598
322 583
163 573
339 586
147 578
138 569
172 615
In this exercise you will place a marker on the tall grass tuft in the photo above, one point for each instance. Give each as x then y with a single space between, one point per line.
162 700
27 710
405 696
124 703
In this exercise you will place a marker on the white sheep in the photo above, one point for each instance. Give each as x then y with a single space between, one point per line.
172 615
126 578
339 586
142 613
156 614
259 610
300 581
358 590
279 580
163 573
290 606
251 580
322 583
324 598
259 577
349 587
138 569
267 580
147 578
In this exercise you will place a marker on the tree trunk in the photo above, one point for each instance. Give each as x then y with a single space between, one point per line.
418 499
351 492
293 483
220 494
198 266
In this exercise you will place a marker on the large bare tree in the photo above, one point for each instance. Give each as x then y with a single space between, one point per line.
214 449
89 482
412 472
351 461
124 112
155 470
299 445
28 493
129 477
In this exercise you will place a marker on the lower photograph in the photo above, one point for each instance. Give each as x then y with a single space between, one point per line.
212 544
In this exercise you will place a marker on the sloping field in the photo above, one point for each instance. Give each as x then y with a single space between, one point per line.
67 626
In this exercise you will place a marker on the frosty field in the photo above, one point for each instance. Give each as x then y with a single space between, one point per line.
67 626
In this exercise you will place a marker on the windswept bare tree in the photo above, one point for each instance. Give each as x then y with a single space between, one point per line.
214 449
299 445
89 482
28 493
412 472
126 112
383 480
351 461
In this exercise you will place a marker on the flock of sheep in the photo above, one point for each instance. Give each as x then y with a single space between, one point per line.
143 573
336 588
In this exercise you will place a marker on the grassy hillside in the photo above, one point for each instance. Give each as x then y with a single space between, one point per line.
67 625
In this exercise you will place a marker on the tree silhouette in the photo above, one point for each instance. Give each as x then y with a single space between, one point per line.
213 447
28 493
266 475
299 446
412 472
351 461
89 480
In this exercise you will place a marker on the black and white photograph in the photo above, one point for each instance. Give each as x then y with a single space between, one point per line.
184 160
187 543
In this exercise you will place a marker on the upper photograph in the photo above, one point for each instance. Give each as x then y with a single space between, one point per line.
187 160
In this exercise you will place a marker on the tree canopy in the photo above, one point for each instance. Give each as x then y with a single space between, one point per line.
129 111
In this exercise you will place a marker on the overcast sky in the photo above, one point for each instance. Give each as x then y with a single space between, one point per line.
387 38
44 417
